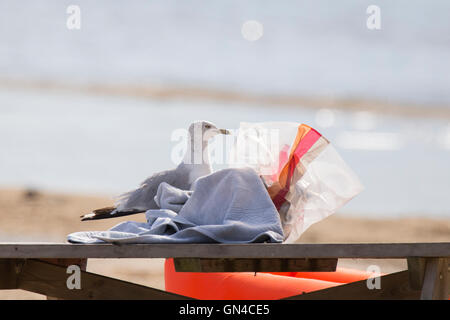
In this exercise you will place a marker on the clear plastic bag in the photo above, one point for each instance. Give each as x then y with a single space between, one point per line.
304 175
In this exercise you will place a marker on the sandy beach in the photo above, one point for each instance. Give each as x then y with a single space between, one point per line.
30 215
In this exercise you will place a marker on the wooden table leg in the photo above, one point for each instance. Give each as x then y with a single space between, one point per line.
9 270
435 279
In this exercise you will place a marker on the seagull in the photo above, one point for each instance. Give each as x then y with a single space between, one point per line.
195 164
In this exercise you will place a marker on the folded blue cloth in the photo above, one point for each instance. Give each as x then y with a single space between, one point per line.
228 206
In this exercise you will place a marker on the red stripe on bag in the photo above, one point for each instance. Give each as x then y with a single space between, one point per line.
302 148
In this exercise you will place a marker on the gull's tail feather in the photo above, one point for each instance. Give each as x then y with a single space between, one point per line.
108 212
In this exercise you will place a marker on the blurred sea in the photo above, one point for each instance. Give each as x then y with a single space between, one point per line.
97 143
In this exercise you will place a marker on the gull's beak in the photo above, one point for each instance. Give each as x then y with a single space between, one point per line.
224 131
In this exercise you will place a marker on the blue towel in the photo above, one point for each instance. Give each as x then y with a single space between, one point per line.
228 206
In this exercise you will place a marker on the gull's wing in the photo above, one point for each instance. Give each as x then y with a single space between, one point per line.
142 198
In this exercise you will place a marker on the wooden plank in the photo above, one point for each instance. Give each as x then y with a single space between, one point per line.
9 269
81 262
253 265
49 279
260 250
393 286
435 282
416 268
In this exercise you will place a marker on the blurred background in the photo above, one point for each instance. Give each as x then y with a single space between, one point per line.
88 106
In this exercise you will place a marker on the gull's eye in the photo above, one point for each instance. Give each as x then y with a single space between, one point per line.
207 126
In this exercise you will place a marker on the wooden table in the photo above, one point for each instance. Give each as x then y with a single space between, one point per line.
42 267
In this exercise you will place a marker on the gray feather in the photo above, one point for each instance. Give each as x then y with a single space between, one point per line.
142 198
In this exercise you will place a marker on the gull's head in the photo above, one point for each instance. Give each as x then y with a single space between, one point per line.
205 130
199 134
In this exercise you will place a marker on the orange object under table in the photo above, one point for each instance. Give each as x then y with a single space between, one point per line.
251 286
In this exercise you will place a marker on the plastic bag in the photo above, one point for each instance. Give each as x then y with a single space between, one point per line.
306 178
